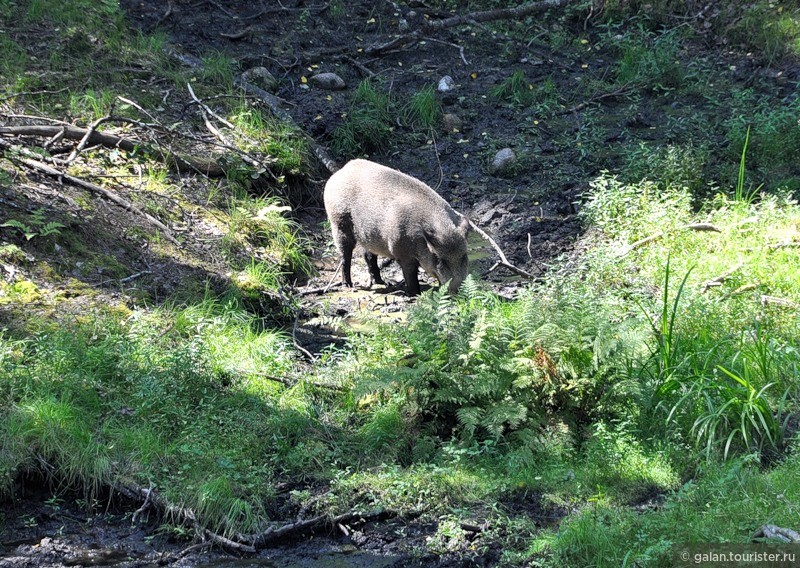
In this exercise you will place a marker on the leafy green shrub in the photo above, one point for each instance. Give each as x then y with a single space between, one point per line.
276 239
670 165
774 133
649 60
763 26
485 369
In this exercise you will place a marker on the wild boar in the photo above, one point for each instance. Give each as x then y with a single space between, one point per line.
394 215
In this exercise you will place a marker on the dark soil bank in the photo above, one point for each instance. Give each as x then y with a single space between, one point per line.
41 530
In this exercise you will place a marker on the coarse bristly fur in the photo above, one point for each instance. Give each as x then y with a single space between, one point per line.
394 215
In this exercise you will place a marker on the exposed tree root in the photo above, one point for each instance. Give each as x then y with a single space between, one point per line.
245 544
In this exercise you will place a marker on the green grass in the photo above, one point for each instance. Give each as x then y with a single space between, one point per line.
516 90
368 124
769 28
423 109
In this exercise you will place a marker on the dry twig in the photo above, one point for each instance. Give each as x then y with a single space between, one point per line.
503 260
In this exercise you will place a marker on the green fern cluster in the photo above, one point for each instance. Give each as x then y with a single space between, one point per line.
478 367
36 226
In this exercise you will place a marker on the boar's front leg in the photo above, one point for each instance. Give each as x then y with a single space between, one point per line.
374 270
411 275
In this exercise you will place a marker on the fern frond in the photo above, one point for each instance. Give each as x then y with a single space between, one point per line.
470 417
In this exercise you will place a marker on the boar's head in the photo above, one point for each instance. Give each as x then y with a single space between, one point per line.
446 257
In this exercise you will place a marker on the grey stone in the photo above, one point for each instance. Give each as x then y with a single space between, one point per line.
328 81
502 161
446 84
261 78
452 122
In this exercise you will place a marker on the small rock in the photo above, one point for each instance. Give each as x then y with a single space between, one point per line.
328 81
502 161
452 122
261 78
446 83
402 25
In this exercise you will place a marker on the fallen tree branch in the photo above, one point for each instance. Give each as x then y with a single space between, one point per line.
787 244
182 163
498 14
111 196
702 227
460 48
84 141
246 158
742 289
617 92
272 534
782 302
267 98
778 533
719 280
243 543
640 243
273 103
503 260
299 347
182 515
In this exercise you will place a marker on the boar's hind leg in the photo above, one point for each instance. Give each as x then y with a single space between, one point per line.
345 243
374 270
411 275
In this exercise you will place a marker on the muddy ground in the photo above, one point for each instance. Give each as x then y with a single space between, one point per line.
530 212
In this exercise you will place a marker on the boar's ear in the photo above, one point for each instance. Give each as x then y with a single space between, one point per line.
432 242
463 225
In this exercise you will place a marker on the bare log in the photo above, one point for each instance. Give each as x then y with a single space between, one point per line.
499 14
182 163
778 533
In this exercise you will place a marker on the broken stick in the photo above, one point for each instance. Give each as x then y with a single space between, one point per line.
503 260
